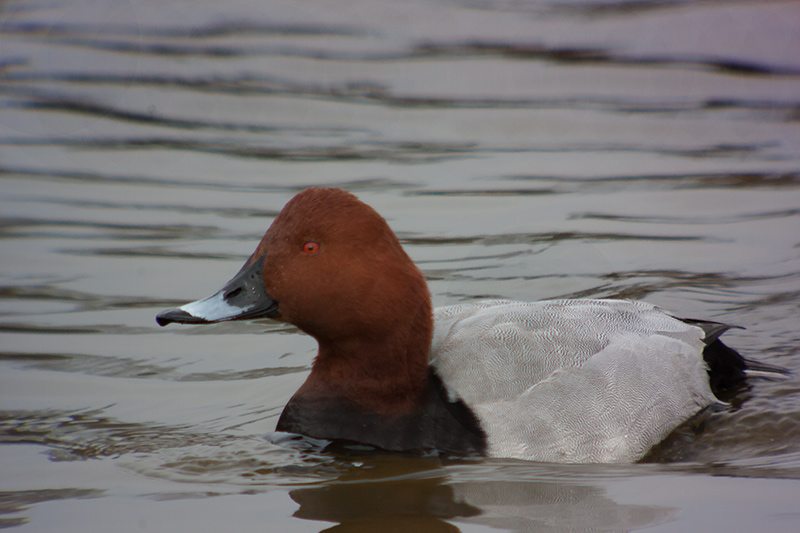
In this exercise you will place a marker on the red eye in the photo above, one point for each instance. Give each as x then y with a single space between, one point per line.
311 248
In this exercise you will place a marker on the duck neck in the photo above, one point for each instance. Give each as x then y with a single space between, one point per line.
382 374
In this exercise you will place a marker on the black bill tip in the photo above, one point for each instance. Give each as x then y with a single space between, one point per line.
177 315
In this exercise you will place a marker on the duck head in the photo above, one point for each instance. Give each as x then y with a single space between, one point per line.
330 265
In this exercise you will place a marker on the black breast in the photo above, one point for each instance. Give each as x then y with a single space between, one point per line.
440 425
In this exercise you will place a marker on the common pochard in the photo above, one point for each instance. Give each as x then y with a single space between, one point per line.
554 380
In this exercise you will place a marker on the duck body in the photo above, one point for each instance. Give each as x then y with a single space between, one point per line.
572 380
554 380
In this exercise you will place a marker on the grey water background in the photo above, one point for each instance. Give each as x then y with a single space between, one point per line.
520 149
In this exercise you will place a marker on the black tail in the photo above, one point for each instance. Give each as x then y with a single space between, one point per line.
727 369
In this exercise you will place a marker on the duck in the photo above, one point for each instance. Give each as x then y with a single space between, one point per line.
562 380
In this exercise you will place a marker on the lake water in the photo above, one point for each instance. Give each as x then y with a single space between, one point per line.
520 149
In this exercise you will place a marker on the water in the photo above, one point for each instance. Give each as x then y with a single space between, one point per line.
522 150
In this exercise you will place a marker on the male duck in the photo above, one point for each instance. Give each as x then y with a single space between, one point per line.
555 380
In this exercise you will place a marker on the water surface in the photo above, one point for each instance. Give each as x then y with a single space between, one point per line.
520 150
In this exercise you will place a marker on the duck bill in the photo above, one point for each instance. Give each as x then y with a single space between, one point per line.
243 297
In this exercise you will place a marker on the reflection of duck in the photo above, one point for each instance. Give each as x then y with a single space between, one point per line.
420 494
558 380
398 494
